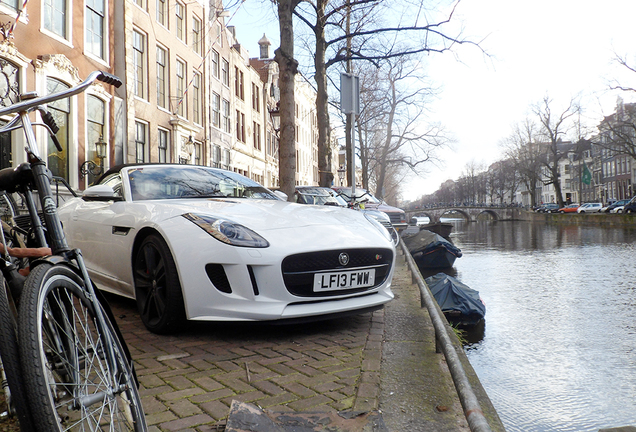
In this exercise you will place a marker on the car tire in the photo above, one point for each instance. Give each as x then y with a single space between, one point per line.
157 287
619 211
628 211
561 212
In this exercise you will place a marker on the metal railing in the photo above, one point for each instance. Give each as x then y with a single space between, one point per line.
472 410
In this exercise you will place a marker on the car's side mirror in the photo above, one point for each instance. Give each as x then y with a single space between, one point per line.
101 193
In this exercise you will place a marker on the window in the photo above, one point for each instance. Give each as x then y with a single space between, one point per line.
225 72
197 44
238 83
256 98
60 110
215 63
95 27
54 16
226 159
141 3
240 126
257 136
139 64
216 156
13 4
162 74
11 87
216 110
161 12
181 79
197 153
140 142
162 144
227 121
95 121
196 98
179 10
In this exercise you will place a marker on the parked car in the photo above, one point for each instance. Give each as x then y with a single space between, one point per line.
548 208
590 208
318 195
572 208
199 243
616 207
630 207
398 216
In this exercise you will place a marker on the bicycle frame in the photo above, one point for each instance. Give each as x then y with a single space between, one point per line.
41 178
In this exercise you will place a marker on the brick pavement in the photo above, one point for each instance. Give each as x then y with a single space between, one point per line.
189 380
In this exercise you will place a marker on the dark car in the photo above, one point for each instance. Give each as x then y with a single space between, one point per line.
616 204
397 216
630 207
548 208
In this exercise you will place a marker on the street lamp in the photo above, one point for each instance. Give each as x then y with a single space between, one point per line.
274 113
342 172
89 166
188 147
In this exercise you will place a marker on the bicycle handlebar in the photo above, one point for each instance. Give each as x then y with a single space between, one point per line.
29 104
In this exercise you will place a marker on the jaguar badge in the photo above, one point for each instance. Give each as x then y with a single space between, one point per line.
343 258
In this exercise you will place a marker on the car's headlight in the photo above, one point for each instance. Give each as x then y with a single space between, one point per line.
227 231
371 217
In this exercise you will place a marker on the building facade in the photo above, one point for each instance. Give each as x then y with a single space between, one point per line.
191 92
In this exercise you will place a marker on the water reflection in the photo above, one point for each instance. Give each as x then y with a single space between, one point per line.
559 353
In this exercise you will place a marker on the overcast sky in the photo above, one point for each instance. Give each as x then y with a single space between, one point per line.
559 48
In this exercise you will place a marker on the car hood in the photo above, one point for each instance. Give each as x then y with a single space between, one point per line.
258 215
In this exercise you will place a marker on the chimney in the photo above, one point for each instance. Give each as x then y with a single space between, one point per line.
264 43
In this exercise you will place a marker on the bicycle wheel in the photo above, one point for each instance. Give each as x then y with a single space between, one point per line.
16 399
70 382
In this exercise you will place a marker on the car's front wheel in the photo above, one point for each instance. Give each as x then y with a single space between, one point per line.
157 287
561 212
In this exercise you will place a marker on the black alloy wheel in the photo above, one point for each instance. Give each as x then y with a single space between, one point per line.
157 287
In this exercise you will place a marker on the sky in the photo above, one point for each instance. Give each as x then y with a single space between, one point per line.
562 49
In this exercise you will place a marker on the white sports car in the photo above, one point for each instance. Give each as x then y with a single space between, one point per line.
198 243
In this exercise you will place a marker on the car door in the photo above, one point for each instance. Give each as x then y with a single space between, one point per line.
102 231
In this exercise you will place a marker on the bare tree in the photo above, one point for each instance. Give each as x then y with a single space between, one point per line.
553 128
350 30
527 155
288 67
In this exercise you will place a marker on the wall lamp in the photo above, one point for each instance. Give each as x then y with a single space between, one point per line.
89 166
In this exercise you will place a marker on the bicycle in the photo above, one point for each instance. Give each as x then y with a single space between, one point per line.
77 371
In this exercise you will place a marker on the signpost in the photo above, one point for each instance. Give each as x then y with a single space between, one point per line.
350 105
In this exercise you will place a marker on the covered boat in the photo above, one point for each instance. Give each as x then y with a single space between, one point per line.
430 250
460 304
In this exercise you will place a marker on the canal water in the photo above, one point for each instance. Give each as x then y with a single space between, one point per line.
558 349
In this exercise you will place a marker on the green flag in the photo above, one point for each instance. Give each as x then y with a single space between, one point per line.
587 175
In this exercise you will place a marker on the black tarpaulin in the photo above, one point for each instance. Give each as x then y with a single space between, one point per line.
453 295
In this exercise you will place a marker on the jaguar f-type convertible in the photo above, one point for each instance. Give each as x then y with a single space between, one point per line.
197 243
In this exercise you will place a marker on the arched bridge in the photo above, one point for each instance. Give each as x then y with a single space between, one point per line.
470 213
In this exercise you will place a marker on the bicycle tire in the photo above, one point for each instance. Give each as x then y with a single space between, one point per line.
9 352
67 375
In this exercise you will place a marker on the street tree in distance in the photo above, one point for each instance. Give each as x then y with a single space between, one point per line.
553 127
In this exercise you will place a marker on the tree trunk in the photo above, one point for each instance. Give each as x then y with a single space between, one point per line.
325 171
288 67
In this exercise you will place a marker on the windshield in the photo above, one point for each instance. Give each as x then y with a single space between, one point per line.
183 181
361 195
319 196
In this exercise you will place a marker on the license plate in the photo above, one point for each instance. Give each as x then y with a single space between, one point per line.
344 280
